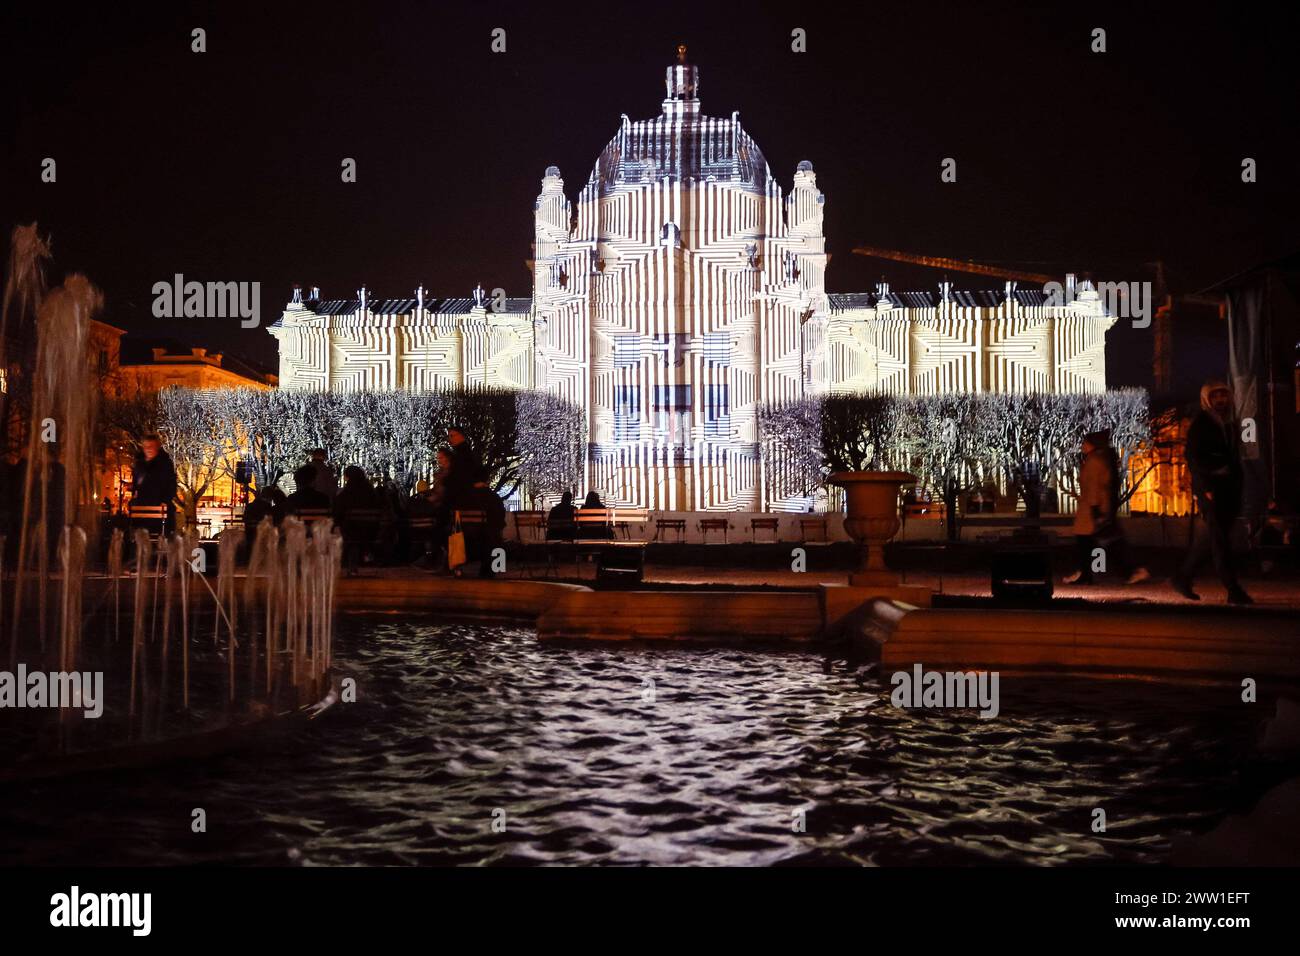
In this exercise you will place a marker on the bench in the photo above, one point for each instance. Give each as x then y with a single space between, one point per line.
813 529
314 516
530 521
152 518
623 518
593 524
594 537
671 524
924 510
714 524
764 524
616 560
473 524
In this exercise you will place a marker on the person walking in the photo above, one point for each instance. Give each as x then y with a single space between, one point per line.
1096 522
1213 454
482 498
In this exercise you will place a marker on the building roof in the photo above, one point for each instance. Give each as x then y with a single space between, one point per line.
700 147
452 306
970 298
141 351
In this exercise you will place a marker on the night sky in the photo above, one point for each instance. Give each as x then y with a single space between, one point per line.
225 165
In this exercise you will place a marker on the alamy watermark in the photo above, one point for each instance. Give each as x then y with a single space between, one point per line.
950 689
209 300
56 689
1125 300
75 908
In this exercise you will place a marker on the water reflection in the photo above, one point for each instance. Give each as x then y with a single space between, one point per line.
663 756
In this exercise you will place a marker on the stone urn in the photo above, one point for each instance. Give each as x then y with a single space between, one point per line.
872 520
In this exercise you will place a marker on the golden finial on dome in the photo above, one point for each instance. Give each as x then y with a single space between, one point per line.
681 53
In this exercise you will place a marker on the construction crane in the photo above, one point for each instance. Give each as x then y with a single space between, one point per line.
954 265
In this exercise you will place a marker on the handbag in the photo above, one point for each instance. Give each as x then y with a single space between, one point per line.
456 544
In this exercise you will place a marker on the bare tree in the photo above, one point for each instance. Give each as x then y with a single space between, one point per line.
196 430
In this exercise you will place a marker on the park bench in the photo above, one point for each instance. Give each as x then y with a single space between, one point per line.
623 518
314 516
924 510
813 530
765 524
473 524
708 525
594 539
233 525
530 524
671 524
152 518
593 524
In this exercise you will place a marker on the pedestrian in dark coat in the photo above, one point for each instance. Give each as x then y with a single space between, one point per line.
1213 453
153 477
466 469
482 498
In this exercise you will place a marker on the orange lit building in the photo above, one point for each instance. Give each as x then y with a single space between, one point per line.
146 366
1164 485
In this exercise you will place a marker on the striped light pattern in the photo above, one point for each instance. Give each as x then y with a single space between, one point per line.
681 289
672 299
348 345
988 341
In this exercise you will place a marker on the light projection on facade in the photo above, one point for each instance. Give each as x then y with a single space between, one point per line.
680 290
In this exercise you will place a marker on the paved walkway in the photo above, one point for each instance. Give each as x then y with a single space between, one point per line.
1278 592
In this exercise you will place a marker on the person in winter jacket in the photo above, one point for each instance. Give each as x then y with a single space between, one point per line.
1099 540
1213 453
153 477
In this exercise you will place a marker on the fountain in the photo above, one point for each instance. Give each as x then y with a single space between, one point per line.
176 689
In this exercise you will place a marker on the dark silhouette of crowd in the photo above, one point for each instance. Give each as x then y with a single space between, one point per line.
378 521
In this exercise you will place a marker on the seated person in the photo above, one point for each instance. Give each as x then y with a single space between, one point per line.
357 494
358 512
559 520
592 530
306 496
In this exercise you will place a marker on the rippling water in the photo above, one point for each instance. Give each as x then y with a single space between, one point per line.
624 755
